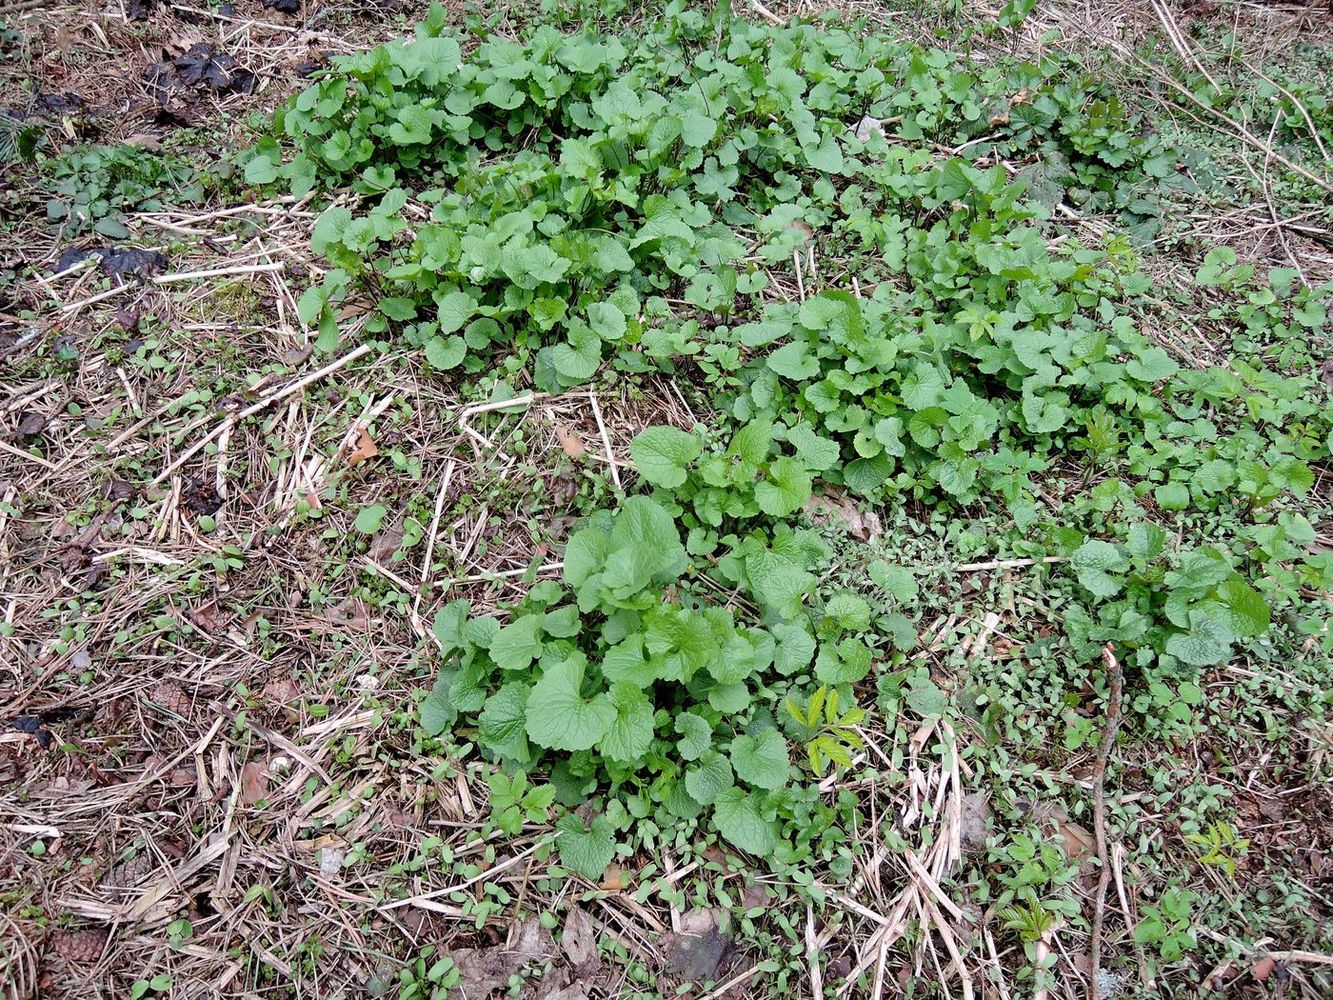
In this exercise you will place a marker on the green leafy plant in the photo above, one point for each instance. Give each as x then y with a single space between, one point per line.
424 979
1219 845
96 185
579 206
829 734
625 683
515 800
1168 924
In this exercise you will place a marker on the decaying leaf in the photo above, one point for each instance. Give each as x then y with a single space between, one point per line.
282 692
482 971
1079 843
532 940
579 941
170 697
254 782
975 825
131 872
365 448
570 441
840 511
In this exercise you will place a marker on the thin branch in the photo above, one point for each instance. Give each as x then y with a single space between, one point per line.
1116 681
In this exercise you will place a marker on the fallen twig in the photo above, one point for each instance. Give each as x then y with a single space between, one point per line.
1116 681
263 404
1010 563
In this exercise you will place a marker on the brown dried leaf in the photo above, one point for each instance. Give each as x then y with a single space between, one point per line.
296 355
208 618
365 448
283 692
1263 968
840 511
254 782
570 441
615 879
482 971
579 941
533 940
976 822
31 423
1079 842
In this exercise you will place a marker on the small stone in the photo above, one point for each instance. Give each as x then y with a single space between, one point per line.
330 862
1108 985
701 948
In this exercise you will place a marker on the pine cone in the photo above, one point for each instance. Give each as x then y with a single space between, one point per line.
80 946
129 873
170 697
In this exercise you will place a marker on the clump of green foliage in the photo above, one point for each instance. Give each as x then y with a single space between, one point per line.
575 202
95 186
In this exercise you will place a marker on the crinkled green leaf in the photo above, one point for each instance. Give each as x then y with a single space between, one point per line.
560 717
517 644
1208 641
586 849
663 454
437 712
740 819
696 735
709 776
814 452
500 726
778 582
761 759
785 489
631 733
1247 611
1094 561
794 648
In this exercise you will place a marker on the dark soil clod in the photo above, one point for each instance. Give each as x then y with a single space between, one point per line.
32 725
201 67
200 497
117 260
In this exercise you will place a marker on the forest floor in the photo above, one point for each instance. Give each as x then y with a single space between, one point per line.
230 540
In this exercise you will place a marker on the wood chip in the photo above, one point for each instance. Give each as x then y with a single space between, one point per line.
579 941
